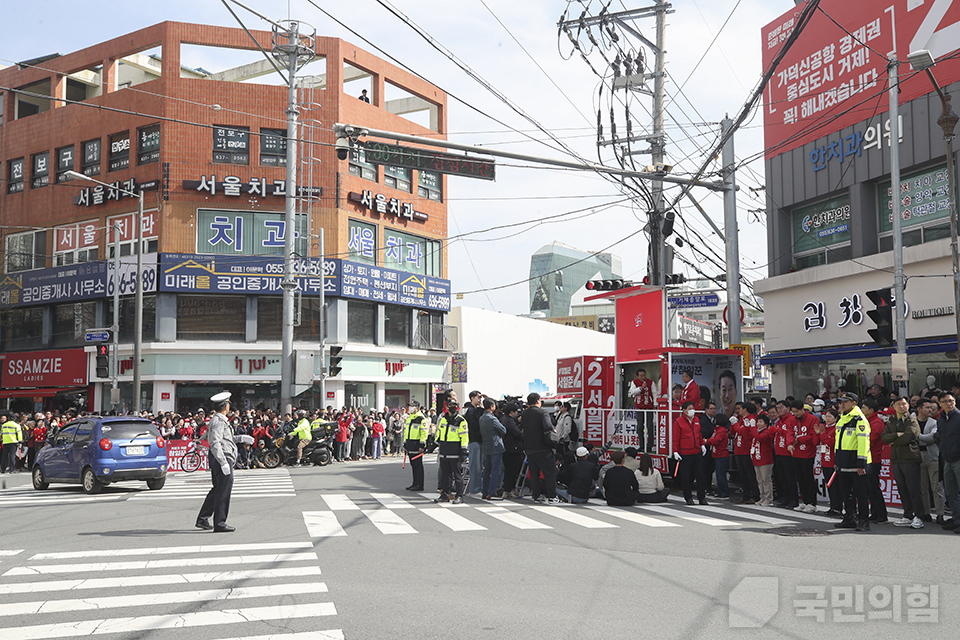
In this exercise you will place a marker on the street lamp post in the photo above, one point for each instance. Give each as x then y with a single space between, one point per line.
138 289
922 60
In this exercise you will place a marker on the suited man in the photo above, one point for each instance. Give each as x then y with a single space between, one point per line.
708 424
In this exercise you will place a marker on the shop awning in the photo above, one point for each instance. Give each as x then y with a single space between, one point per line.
857 352
28 393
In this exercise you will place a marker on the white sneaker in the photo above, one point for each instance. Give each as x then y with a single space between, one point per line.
904 522
540 498
810 508
917 523
800 507
556 500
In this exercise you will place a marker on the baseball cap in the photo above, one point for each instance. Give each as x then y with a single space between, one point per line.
818 402
582 452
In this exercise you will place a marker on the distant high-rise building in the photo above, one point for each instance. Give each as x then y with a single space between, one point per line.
557 271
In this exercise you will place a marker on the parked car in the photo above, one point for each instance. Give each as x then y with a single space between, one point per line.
95 451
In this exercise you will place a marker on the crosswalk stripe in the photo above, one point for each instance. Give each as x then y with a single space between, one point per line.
513 519
388 522
574 517
453 520
432 496
392 501
30 501
678 513
816 517
734 513
120 582
339 502
156 564
167 621
322 524
154 551
332 634
631 516
5 553
200 495
152 599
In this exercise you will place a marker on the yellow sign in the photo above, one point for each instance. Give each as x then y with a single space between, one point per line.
586 322
745 350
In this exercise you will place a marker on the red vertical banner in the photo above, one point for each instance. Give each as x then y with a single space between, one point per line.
595 399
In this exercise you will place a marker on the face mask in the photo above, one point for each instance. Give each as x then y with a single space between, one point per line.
689 413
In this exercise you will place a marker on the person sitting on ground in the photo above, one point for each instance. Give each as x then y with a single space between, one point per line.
630 461
579 478
620 485
650 483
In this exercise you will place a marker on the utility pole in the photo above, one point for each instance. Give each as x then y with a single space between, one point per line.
657 266
731 232
294 50
898 283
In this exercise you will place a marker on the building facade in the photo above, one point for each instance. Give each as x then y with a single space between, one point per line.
558 271
208 152
830 206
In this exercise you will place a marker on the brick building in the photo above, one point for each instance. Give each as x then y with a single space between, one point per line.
207 150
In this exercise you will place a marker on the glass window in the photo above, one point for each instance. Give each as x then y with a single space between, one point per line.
397 330
148 144
910 239
430 185
408 252
273 147
25 251
210 317
64 162
397 177
936 232
84 431
231 145
75 243
91 158
128 317
65 436
362 242
359 165
270 318
360 394
15 175
22 329
361 321
119 151
71 321
41 170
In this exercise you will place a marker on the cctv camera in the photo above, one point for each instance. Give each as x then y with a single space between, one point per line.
343 148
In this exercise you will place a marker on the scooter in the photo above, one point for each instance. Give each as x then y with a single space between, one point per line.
317 451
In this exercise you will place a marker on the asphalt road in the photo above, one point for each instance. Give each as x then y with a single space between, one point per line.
344 552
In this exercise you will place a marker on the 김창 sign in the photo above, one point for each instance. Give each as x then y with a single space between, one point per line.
832 70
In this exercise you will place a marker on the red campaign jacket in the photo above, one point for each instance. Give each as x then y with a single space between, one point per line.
687 438
878 448
827 440
377 429
691 393
343 428
784 435
743 440
761 453
805 438
718 443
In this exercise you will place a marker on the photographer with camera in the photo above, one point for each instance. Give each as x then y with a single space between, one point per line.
538 443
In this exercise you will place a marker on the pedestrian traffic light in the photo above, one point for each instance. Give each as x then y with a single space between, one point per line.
606 285
675 278
103 360
334 369
882 316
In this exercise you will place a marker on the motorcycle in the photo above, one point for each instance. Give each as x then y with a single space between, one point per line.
318 450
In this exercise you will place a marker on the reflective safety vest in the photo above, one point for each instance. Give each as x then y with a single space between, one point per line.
11 432
452 436
853 441
303 430
415 433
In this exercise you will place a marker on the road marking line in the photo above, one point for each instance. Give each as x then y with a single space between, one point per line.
392 501
453 520
167 621
156 551
332 634
574 517
513 519
156 564
200 495
388 522
735 513
168 579
339 502
433 496
151 599
5 553
632 516
322 524
816 517
677 513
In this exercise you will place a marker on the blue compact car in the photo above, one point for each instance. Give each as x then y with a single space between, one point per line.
95 451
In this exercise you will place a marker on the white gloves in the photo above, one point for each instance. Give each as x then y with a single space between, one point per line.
703 449
226 469
676 456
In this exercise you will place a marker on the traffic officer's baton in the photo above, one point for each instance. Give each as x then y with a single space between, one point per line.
832 478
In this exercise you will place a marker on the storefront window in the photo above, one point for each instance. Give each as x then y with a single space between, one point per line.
859 375
361 321
270 319
71 321
211 317
360 394
22 329
821 233
398 325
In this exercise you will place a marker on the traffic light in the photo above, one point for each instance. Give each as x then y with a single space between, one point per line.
103 360
334 369
606 285
882 316
674 278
